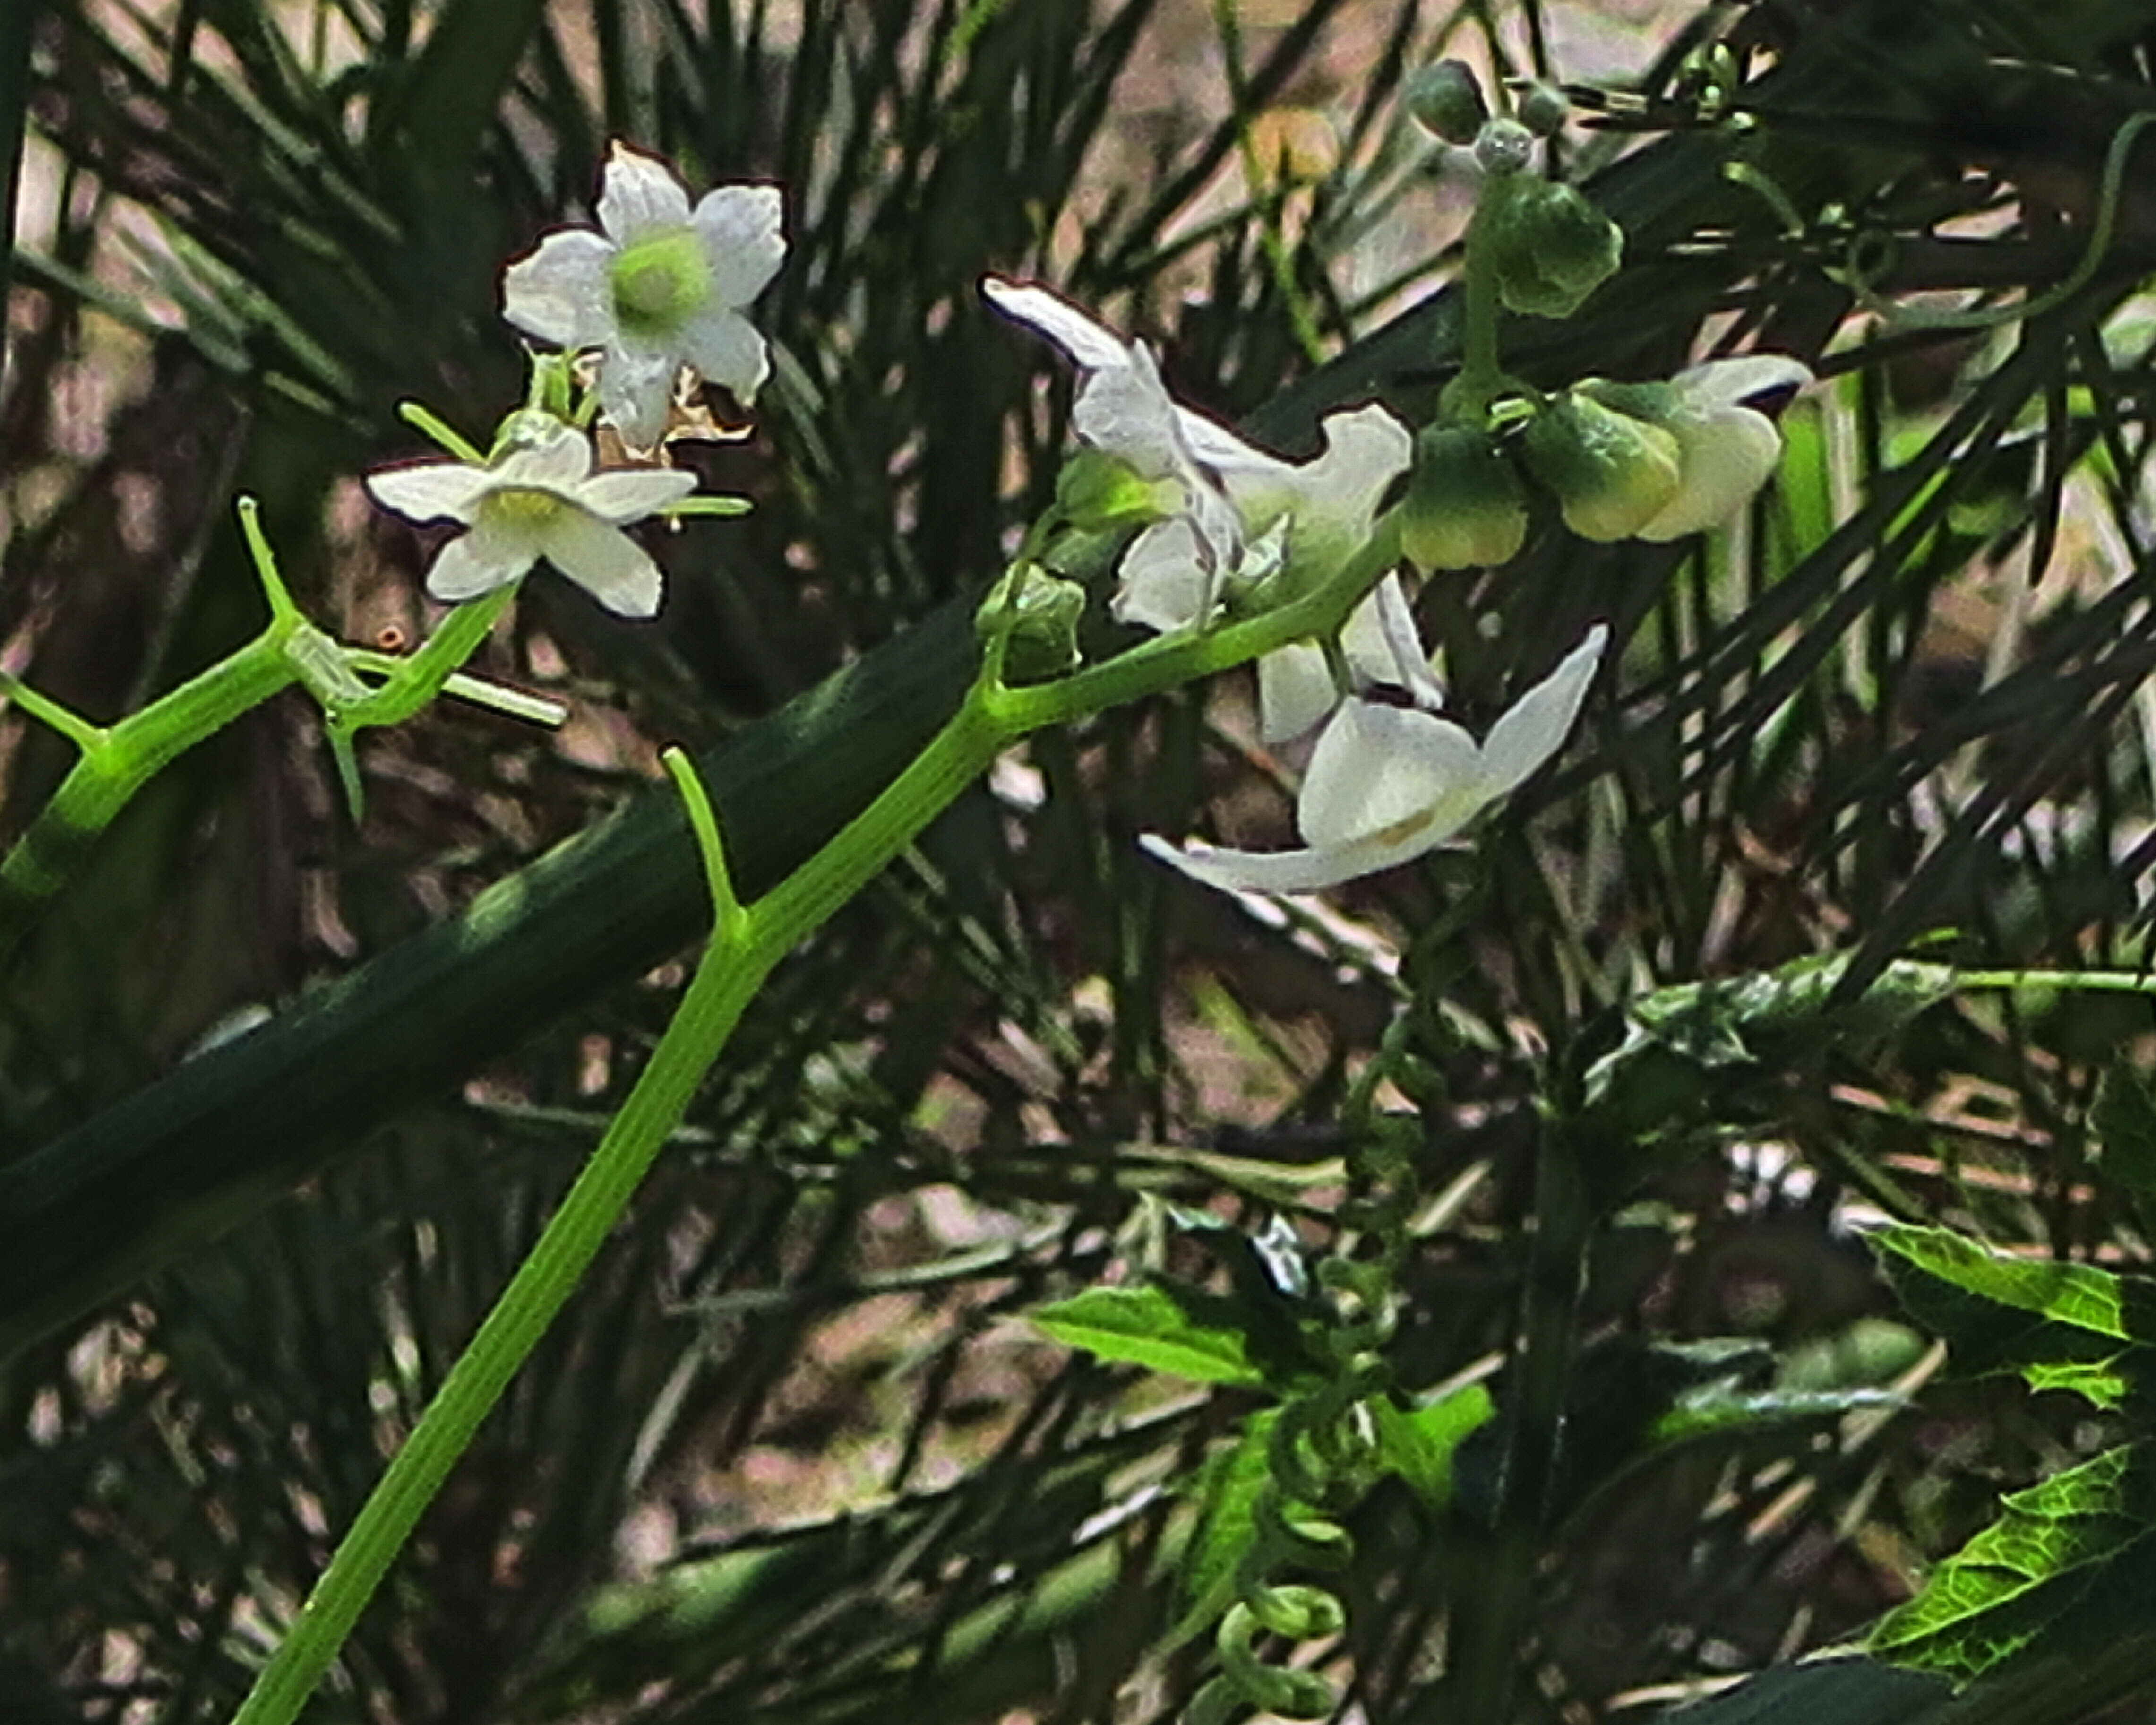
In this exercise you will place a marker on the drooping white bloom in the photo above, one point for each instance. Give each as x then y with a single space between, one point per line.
1387 784
1243 511
659 286
1725 449
537 497
1124 410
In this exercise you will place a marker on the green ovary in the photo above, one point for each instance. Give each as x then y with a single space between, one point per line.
521 515
660 281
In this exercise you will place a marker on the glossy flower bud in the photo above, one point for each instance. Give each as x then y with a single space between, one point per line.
1542 108
1446 101
1611 473
1465 507
1037 615
1504 146
1551 248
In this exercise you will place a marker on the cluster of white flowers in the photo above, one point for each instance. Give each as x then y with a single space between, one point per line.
1236 514
659 286
659 290
1385 783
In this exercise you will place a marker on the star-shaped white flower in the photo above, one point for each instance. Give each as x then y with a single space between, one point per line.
659 287
1387 784
1241 506
1725 449
537 497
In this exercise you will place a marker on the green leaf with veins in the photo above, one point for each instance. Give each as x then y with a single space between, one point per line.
2069 1566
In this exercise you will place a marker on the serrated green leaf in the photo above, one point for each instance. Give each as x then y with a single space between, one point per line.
2100 1381
1418 1443
2078 1296
1227 1528
2076 1548
1148 1326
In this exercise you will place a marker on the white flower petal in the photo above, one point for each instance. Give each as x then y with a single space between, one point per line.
740 228
1287 870
545 455
1125 411
1165 582
1723 382
1536 725
1253 476
636 386
1379 769
605 562
477 562
1722 461
431 490
629 494
559 291
1365 451
726 349
1295 691
1091 345
1384 646
637 194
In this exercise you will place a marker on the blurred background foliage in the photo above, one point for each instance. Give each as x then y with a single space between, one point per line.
788 1457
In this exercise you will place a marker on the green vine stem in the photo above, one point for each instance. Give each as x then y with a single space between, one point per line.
747 943
118 759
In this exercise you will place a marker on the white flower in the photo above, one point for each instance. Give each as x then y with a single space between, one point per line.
537 497
1123 409
661 286
1387 783
1725 449
1243 512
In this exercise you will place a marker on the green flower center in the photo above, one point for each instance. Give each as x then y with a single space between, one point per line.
660 281
523 512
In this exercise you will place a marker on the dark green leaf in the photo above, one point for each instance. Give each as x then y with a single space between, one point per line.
2124 1121
2076 1296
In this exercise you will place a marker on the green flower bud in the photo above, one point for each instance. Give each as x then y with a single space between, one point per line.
1097 492
1037 615
1551 248
1465 507
1611 473
1504 146
1445 100
1542 108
